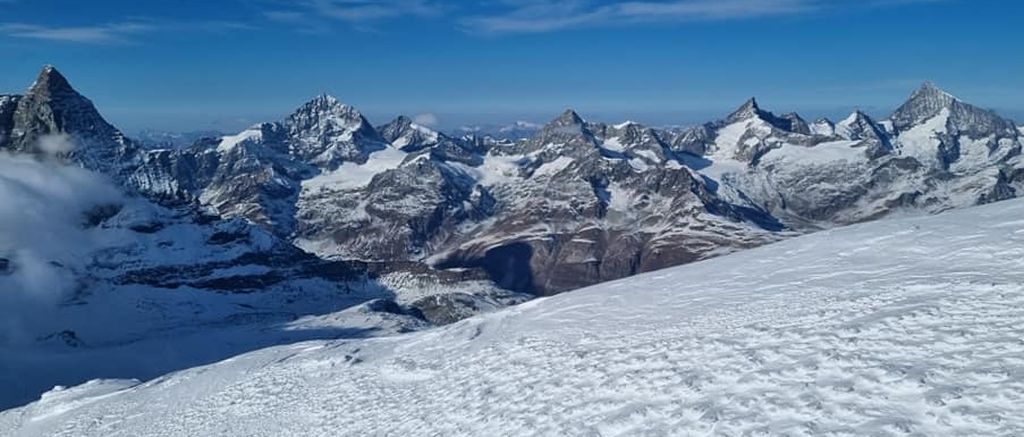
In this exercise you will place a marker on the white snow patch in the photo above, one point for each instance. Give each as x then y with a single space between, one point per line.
638 164
351 175
823 129
649 155
613 144
229 142
553 167
820 154
921 142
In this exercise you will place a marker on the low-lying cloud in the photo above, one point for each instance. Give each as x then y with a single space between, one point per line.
426 119
54 145
44 240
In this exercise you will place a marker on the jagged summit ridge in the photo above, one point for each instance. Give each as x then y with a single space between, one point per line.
51 82
929 101
924 103
326 132
749 109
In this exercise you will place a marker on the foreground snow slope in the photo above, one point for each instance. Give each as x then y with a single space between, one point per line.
905 326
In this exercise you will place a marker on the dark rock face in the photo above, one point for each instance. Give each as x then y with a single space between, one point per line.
51 107
446 308
8 104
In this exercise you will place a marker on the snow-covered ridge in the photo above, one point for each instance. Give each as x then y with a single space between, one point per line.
904 326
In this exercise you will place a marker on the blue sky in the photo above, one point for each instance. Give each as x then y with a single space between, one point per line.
223 64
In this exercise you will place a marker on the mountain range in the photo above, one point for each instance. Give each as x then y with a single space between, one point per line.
577 203
400 226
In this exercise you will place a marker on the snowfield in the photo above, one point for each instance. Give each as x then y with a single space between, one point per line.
908 326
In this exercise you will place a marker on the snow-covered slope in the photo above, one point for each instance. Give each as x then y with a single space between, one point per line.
95 283
905 326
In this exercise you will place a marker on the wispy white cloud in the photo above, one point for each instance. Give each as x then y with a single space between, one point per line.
362 11
485 16
124 32
537 16
113 33
427 119
318 16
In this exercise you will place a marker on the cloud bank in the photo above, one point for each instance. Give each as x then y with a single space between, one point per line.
44 240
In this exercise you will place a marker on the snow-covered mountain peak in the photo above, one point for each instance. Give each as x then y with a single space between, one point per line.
929 103
405 134
747 110
327 132
329 108
823 127
564 129
859 126
857 118
924 104
929 88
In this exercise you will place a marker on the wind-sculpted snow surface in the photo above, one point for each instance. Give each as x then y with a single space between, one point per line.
899 327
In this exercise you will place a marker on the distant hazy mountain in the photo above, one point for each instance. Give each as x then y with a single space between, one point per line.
516 131
155 139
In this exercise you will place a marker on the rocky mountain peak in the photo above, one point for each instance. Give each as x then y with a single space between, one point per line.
747 110
329 108
860 126
402 120
326 132
568 118
925 103
930 92
52 107
857 116
792 122
404 133
566 129
51 83
930 101
51 88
